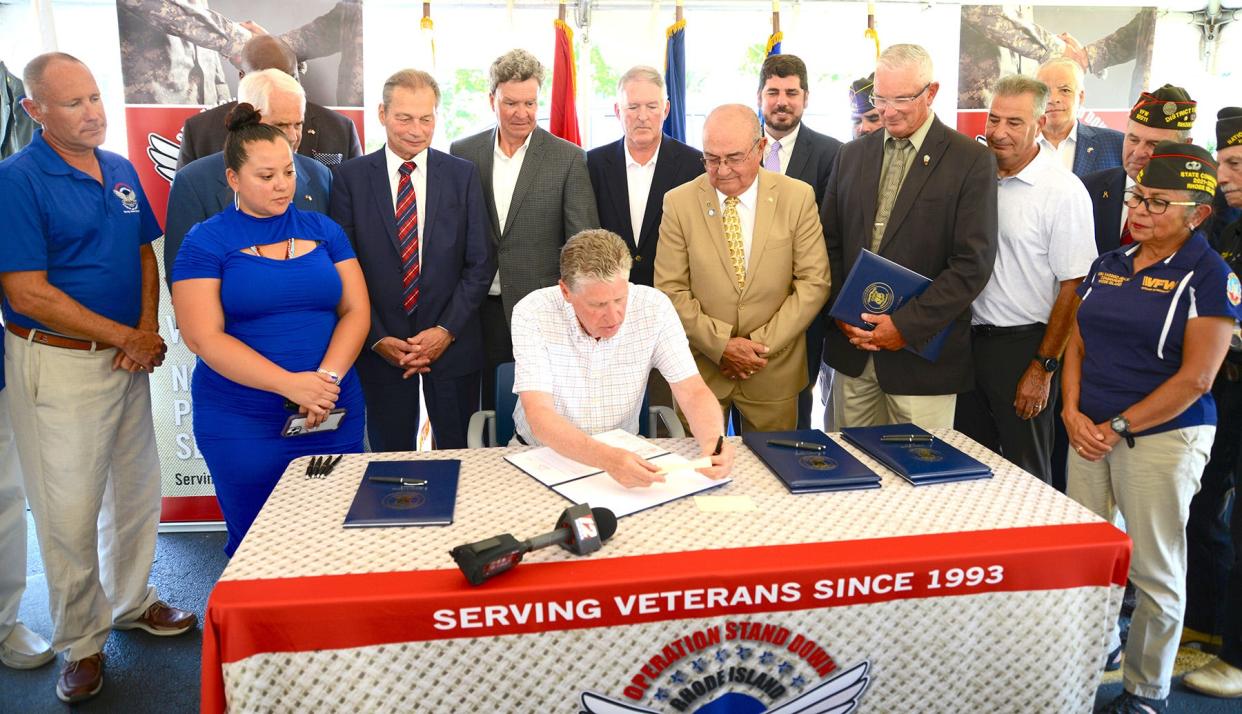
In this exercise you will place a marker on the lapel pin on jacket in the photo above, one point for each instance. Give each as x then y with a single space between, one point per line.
1090 149
926 159
1106 194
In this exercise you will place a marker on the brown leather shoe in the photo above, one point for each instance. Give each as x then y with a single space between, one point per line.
161 619
80 679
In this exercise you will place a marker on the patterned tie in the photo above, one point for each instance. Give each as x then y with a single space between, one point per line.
733 236
772 162
407 237
889 188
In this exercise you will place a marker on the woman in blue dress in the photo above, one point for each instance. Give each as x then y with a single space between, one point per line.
273 302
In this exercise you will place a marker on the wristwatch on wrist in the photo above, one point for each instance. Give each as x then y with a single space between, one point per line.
1049 364
336 378
1121 425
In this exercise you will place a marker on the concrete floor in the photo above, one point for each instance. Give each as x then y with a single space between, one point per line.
161 674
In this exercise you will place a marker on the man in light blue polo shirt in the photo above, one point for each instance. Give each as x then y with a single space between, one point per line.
80 299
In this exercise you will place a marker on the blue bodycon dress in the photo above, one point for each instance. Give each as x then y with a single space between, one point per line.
286 311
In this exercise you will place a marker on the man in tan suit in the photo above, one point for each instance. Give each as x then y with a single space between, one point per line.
741 255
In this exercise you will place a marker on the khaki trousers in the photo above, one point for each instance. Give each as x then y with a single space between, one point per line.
12 525
87 447
1151 485
859 401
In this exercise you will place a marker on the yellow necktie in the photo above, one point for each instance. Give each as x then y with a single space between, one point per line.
733 236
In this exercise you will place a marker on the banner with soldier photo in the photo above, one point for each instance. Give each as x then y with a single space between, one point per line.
1112 45
178 58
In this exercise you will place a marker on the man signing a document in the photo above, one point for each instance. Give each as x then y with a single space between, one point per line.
583 350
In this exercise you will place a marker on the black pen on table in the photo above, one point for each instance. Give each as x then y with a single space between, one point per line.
907 438
793 444
398 479
719 445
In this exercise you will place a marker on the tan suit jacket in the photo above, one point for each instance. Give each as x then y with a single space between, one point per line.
786 281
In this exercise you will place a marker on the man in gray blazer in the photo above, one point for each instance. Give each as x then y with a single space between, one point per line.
538 193
923 196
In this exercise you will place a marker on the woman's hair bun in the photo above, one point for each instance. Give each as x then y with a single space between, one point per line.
242 115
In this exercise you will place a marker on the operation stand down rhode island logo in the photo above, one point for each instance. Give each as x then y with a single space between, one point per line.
738 668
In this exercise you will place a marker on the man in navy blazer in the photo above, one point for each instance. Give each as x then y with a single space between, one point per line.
632 174
200 191
416 219
799 152
1081 148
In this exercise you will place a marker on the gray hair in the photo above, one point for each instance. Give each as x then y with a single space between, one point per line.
257 88
32 75
907 55
641 73
594 254
1015 85
1074 67
411 79
514 66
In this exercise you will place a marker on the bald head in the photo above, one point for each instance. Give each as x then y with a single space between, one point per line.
732 148
267 52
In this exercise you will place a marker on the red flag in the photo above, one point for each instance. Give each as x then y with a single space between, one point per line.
564 87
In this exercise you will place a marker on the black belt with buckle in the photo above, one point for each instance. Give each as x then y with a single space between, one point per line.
997 331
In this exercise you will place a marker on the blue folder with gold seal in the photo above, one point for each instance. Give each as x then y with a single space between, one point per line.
924 463
431 503
809 471
879 286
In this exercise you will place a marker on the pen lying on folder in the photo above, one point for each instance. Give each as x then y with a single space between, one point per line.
791 444
907 438
399 479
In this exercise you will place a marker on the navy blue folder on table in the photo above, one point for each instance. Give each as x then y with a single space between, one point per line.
806 471
920 464
379 504
879 286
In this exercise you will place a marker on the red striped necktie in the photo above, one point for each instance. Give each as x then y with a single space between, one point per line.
407 237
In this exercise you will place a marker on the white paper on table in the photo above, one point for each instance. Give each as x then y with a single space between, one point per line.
601 490
550 468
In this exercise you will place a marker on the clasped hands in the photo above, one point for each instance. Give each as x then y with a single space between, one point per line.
1092 441
142 351
414 355
742 358
315 394
884 336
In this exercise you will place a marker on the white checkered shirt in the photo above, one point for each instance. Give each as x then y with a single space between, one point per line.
598 385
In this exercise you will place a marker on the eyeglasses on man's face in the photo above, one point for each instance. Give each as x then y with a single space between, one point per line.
712 163
1154 206
896 102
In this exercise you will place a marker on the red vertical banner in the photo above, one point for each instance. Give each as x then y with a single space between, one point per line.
564 87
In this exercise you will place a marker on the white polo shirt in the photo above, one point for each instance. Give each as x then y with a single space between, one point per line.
1047 235
598 385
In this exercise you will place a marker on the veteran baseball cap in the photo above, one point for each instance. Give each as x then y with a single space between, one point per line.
1178 166
860 95
1229 128
1166 108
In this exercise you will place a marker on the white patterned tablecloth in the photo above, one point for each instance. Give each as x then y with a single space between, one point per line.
1011 589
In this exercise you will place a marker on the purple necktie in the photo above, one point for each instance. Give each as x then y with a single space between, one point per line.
772 162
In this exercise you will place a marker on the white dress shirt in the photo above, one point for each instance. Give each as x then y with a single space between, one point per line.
505 170
418 177
598 385
1066 150
638 178
787 145
746 215
1046 235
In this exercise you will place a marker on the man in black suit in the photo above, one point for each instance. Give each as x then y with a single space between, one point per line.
327 136
416 219
923 196
1166 114
631 175
797 151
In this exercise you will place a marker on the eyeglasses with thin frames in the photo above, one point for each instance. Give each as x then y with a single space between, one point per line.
1154 206
896 102
712 163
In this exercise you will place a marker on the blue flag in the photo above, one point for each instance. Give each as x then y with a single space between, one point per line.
675 79
774 43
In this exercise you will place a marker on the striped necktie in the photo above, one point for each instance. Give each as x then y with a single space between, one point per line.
407 237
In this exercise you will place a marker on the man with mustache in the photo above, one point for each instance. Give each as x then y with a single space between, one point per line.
799 152
1022 319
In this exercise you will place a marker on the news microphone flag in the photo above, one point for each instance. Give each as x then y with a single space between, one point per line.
675 80
564 86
